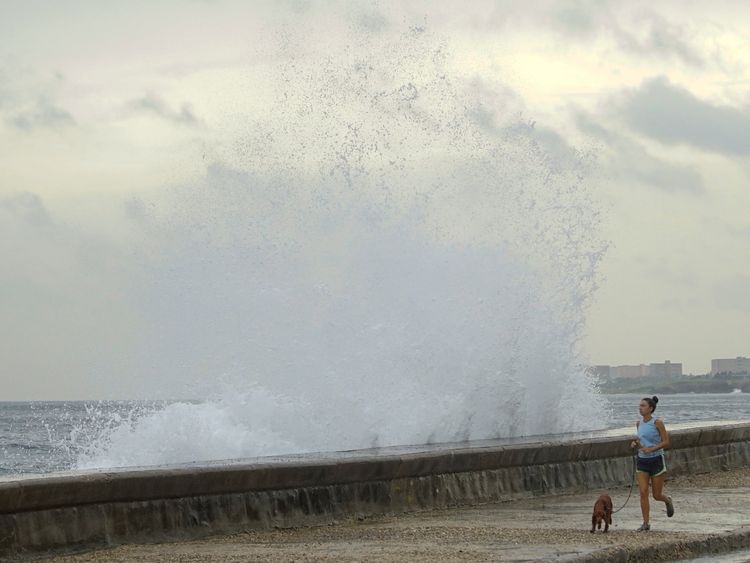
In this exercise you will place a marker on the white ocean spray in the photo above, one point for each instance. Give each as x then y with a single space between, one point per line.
389 258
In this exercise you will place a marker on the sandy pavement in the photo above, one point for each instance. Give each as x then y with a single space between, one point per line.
549 528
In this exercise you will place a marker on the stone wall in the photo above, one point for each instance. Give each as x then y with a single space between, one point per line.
84 510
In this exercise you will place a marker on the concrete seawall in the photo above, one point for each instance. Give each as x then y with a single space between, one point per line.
97 509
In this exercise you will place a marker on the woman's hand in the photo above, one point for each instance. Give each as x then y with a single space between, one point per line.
634 444
647 449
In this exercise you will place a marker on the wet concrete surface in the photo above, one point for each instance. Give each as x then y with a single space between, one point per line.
712 513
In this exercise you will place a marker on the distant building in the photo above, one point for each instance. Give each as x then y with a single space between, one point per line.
667 369
739 364
616 372
641 370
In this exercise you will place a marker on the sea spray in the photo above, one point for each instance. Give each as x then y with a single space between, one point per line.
390 257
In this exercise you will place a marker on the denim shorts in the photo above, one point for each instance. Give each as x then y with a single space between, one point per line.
652 465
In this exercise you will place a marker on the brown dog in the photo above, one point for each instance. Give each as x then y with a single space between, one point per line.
602 513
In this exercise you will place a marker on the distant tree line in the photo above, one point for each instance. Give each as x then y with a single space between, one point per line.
719 383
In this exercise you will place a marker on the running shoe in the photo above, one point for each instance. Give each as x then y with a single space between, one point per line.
670 507
644 528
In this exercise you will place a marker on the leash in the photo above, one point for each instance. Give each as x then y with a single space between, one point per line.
632 482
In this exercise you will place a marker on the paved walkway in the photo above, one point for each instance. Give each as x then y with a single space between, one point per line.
712 513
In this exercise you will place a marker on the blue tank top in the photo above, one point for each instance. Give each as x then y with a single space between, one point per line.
648 435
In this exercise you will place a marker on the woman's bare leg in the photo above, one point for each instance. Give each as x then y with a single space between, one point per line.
643 479
657 488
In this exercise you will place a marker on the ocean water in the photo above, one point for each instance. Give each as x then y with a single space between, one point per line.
681 408
44 437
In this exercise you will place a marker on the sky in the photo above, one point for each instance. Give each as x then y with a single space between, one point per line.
105 107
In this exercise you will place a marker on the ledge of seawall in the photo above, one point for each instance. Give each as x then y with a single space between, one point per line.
104 508
714 544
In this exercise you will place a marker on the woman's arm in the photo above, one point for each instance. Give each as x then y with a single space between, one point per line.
636 443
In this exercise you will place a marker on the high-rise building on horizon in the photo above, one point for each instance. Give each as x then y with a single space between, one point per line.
740 364
665 369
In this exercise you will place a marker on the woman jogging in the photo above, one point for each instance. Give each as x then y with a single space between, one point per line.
652 439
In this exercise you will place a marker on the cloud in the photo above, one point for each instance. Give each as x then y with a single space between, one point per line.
628 159
28 102
155 105
493 106
673 115
27 207
640 33
659 37
44 114
576 19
